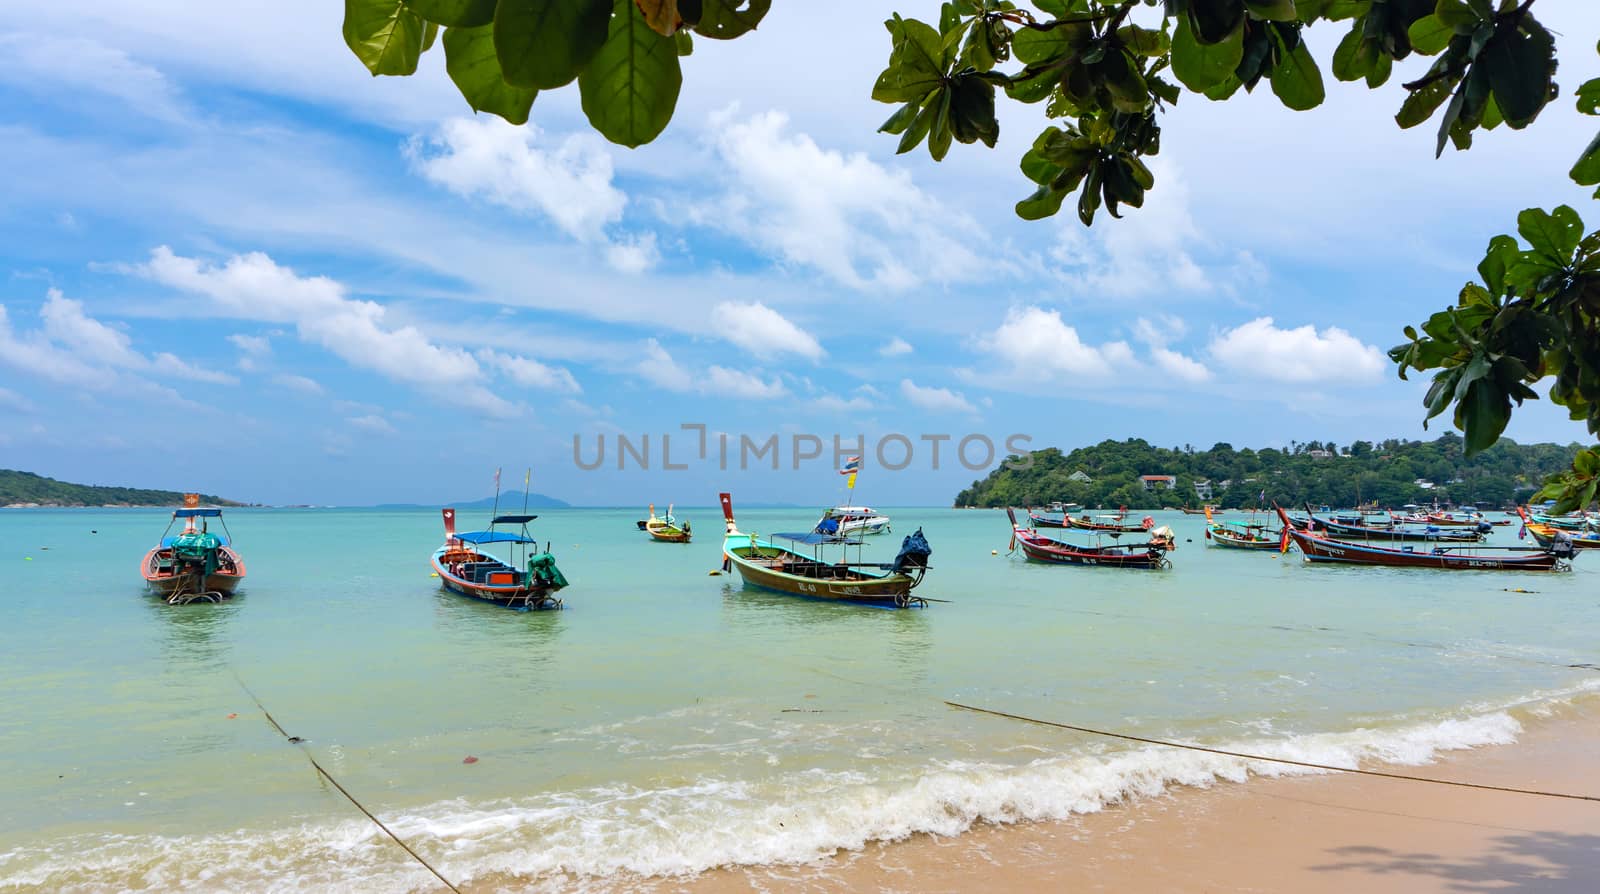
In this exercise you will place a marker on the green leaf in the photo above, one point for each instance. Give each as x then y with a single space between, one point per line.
972 111
914 66
1424 101
1034 45
1033 86
1213 20
1354 57
1044 202
1520 67
1589 97
1296 80
1199 65
940 135
1272 10
685 42
1587 170
1482 415
920 125
430 33
1501 253
1338 10
1430 35
470 60
630 87
727 19
1554 235
454 13
900 120
1456 14
384 35
1146 42
545 43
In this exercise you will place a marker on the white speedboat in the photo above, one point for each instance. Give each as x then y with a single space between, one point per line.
852 521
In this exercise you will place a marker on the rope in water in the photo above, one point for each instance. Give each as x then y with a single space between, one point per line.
296 740
1276 760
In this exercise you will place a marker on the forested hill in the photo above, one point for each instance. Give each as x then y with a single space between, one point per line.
1310 472
23 488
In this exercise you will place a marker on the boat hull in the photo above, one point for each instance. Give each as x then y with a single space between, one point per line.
890 590
532 596
1317 549
1232 540
166 584
1040 521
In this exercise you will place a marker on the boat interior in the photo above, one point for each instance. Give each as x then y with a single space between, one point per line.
786 562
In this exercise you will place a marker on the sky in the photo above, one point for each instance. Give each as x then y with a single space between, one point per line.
231 261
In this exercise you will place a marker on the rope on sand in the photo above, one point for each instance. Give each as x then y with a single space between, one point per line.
296 740
1276 760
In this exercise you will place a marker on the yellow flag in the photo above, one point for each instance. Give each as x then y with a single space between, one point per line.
850 483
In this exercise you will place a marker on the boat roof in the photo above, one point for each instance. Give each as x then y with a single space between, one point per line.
512 519
193 513
812 538
492 537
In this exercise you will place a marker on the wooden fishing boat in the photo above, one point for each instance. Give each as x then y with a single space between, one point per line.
1396 532
529 581
1573 522
194 565
666 530
1109 524
1038 548
1318 547
1548 535
1045 521
783 569
1241 535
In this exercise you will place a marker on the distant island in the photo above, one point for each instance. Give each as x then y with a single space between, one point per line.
1390 473
20 490
508 502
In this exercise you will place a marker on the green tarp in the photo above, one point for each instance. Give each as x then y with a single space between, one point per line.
542 567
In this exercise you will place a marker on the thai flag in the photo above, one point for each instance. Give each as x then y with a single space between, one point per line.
852 465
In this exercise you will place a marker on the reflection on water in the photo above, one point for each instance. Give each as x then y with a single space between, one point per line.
869 642
193 637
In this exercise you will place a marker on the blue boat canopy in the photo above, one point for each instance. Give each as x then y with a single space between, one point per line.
493 537
166 542
196 513
513 519
812 538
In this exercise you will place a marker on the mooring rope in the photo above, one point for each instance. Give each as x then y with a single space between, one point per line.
296 740
1276 760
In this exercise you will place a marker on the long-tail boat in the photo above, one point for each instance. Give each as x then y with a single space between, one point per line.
666 530
1045 521
1241 535
1318 547
1038 548
1396 532
1109 524
529 581
783 569
1548 535
195 564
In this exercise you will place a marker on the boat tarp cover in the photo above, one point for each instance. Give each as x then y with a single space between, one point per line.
814 538
172 539
914 553
196 513
542 567
194 546
492 537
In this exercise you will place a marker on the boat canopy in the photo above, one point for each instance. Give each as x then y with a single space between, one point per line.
513 519
194 513
813 538
851 510
166 542
492 537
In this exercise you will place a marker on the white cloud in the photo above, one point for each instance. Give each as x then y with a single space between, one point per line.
939 400
761 330
504 164
297 383
658 368
633 254
895 347
1035 341
531 373
253 345
1179 365
1157 334
71 64
859 223
372 423
12 399
1259 348
833 403
255 287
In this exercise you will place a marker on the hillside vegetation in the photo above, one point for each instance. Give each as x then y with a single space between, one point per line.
1321 473
26 487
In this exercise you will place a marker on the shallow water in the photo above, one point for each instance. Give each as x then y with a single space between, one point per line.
669 721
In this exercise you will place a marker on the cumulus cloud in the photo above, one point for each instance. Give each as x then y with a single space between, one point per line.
302 384
78 64
938 400
1034 341
14 401
1156 335
531 373
855 221
762 331
1259 348
633 254
253 286
895 347
372 423
659 369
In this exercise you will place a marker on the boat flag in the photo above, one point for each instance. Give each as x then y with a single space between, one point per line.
852 465
497 479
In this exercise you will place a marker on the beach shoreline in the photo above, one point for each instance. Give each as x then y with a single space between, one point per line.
1332 832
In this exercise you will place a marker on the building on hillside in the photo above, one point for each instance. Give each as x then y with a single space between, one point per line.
1319 454
1158 482
1423 483
1081 477
1202 489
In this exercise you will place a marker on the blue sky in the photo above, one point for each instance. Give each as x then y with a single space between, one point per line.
234 262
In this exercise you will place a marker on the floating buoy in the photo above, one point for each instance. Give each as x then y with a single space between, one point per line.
469 759
994 552
233 716
715 572
93 531
434 574
27 558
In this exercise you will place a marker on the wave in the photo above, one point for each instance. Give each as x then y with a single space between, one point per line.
568 840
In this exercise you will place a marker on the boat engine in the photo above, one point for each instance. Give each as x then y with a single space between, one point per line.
1561 547
914 553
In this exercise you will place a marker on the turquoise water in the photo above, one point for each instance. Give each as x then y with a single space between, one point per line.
669 721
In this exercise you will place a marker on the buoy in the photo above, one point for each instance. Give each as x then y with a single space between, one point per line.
27 558
93 531
994 552
434 574
469 759
233 716
715 572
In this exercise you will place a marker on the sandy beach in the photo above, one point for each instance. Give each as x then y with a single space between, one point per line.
1333 833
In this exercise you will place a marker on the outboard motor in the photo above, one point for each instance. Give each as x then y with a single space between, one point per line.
1484 527
914 553
1561 547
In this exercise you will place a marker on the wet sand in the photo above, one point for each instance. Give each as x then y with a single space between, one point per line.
1333 833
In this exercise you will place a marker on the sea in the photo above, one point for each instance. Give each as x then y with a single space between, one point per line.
669 721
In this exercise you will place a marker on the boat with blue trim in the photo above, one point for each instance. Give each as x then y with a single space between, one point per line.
194 565
1316 546
529 581
783 569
